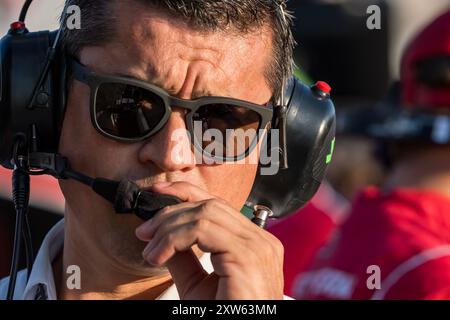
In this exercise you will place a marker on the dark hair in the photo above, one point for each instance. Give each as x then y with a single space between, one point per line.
98 25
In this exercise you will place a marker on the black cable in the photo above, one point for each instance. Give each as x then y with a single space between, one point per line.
23 12
84 179
26 233
26 248
50 56
21 193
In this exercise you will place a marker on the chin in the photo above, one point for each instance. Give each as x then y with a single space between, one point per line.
124 248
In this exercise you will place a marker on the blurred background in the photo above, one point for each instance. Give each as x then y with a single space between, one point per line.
334 45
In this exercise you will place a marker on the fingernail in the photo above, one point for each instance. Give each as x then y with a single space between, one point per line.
147 250
150 259
149 255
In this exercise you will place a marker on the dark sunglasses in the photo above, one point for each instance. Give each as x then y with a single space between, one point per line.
129 110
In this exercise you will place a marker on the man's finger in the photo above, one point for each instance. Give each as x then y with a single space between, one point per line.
163 227
211 210
209 237
146 230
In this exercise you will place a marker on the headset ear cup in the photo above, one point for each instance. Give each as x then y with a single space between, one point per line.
26 56
310 129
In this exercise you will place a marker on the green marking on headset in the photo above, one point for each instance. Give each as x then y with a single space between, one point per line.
247 211
330 155
303 76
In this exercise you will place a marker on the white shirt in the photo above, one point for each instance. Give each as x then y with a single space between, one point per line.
42 283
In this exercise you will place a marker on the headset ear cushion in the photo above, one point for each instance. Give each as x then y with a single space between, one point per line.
290 90
60 90
63 86
288 93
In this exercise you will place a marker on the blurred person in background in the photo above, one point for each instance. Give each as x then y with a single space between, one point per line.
354 166
396 242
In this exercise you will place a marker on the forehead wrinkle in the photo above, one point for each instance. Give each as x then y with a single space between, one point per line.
181 76
189 46
187 62
163 83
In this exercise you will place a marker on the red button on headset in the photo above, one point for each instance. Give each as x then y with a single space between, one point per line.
18 25
323 86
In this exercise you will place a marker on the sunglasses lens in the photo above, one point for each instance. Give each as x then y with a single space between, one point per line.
226 130
127 111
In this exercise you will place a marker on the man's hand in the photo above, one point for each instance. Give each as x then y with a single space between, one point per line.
247 260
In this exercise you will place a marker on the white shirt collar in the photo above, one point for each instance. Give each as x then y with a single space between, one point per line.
42 272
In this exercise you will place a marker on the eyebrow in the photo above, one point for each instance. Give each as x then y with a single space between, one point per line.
195 95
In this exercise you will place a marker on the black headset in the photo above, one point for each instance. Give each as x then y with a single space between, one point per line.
33 95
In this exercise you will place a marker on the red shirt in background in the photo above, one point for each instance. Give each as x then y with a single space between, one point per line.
406 233
306 231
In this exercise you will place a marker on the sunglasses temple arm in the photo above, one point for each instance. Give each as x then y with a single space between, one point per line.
282 123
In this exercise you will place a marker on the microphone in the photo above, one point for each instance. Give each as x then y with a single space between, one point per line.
125 196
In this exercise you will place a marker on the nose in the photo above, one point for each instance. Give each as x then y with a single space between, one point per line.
170 149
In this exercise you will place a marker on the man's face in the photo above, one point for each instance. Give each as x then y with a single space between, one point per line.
160 50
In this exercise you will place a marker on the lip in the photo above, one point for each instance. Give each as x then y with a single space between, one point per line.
147 187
